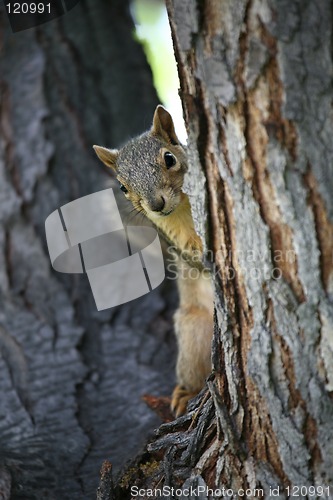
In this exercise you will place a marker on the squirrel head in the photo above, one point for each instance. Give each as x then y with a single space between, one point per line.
151 167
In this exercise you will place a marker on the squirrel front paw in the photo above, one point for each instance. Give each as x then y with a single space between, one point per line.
180 398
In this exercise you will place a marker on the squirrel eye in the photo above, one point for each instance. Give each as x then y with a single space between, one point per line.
123 188
169 159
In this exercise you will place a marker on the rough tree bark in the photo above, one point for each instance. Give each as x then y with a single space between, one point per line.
256 85
71 378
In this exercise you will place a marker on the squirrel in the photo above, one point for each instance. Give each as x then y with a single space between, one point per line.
150 169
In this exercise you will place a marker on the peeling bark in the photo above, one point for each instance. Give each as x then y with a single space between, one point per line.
256 85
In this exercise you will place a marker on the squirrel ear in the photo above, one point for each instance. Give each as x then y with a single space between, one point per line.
107 156
163 125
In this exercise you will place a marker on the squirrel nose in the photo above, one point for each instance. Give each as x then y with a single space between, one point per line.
158 204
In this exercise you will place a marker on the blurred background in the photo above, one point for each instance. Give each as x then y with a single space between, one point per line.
153 32
72 378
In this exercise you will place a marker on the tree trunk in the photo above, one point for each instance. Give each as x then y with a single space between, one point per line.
256 85
71 378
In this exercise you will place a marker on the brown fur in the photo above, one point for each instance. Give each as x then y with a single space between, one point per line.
156 190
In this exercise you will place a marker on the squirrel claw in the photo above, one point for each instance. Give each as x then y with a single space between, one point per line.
180 398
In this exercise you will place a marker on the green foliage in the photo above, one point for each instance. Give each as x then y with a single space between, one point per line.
152 30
